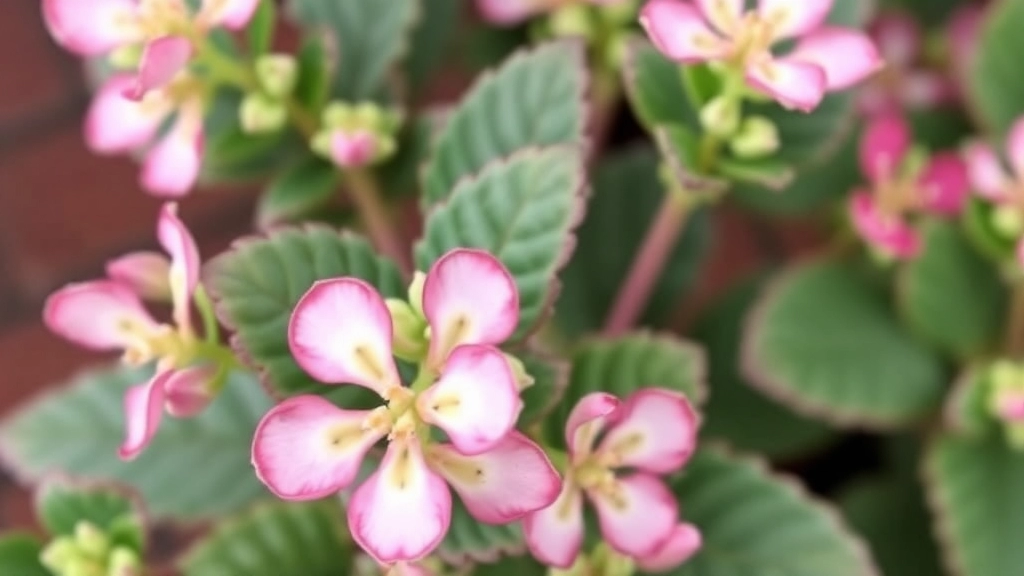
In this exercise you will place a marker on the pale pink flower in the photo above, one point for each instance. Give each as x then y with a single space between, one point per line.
107 315
99 27
995 183
900 186
508 12
652 433
341 332
824 59
904 82
117 125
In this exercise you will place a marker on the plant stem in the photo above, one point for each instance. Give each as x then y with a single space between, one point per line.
1014 338
649 263
211 330
363 189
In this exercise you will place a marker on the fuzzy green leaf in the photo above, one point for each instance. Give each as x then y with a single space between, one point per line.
995 87
19 555
61 504
469 540
299 190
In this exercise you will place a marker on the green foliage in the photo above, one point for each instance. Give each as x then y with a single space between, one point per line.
19 555
62 504
261 27
469 540
297 192
995 87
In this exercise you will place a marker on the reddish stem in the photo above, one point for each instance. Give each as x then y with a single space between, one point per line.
364 193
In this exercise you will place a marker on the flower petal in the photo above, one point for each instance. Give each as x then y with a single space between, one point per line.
115 124
146 273
307 448
232 14
847 56
469 297
586 421
1015 147
99 315
792 18
143 410
944 184
340 332
403 510
792 83
187 391
184 273
172 166
899 38
554 535
884 144
724 15
889 234
475 401
927 89
685 541
638 517
503 484
162 60
91 28
508 12
353 149
679 32
655 430
985 171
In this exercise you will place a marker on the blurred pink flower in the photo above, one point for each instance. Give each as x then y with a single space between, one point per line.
995 183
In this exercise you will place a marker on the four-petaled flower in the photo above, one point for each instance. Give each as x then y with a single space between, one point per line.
653 432
341 332
109 315
1003 188
824 59
903 181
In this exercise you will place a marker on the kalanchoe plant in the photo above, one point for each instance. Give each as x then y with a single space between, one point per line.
456 342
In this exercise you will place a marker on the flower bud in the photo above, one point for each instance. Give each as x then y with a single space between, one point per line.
608 562
409 341
523 379
84 567
757 137
59 554
190 390
416 292
146 273
260 114
1006 400
572 20
617 12
721 116
124 562
277 74
581 567
91 541
1008 221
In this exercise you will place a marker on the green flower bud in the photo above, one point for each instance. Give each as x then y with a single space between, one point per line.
416 292
523 379
1008 220
581 567
59 554
126 57
84 567
608 562
338 115
91 541
409 340
721 116
369 115
124 562
619 14
757 137
260 114
572 20
277 74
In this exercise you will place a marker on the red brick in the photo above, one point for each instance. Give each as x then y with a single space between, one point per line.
33 359
33 77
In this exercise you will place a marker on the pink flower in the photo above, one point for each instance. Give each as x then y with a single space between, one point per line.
992 181
902 182
108 315
99 27
825 58
117 125
903 83
341 332
353 149
653 432
508 12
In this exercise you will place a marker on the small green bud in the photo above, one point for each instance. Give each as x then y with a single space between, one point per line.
619 14
1008 220
126 57
416 292
321 143
338 115
124 562
572 20
260 114
1005 373
59 554
369 115
721 116
757 137
581 567
608 562
91 541
523 378
408 331
277 74
85 567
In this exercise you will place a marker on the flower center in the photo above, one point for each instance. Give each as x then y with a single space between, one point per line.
753 37
156 18
144 343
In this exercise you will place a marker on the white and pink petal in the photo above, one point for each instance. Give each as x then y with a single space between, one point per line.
187 392
846 55
888 234
508 12
685 541
92 27
985 172
231 14
945 184
115 124
586 420
724 15
655 430
162 60
146 273
143 410
172 165
795 84
792 18
353 149
100 315
638 516
554 535
883 147
179 244
679 31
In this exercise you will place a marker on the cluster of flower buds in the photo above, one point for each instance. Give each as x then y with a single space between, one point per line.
354 136
109 314
266 110
1001 187
90 552
1006 399
905 180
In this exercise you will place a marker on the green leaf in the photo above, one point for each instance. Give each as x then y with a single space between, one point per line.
824 342
261 28
276 539
951 295
370 39
735 411
298 191
755 523
62 503
980 228
889 513
550 378
258 282
431 40
626 198
974 493
624 365
654 86
19 555
312 89
523 211
511 566
399 176
231 155
469 540
77 429
535 99
995 88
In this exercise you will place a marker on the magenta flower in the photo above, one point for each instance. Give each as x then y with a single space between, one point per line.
108 315
653 432
904 82
1002 187
507 12
825 58
341 332
161 27
117 125
902 182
